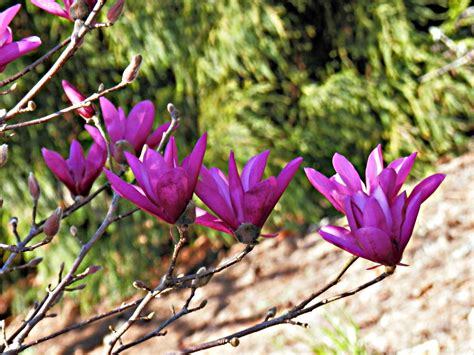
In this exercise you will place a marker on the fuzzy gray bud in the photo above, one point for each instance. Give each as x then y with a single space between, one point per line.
52 224
115 11
131 71
3 154
33 187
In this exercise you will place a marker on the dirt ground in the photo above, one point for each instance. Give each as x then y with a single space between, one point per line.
426 308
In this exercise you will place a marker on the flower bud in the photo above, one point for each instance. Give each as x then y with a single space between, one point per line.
79 10
188 216
131 71
201 279
35 262
31 106
52 224
33 187
115 11
3 154
121 147
247 233
234 342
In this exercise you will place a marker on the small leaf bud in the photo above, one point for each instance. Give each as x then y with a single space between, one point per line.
234 342
3 154
131 71
115 11
52 224
33 187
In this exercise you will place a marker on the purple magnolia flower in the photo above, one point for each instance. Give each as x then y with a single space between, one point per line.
381 221
78 172
9 50
346 181
136 129
243 203
164 187
53 7
75 96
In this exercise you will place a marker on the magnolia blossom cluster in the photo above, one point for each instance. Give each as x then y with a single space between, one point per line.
380 218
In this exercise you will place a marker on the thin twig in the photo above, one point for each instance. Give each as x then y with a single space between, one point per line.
33 65
329 285
175 282
282 319
54 295
158 331
164 284
76 39
56 114
461 61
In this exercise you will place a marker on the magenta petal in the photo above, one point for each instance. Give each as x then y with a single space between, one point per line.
258 202
134 195
154 162
342 238
76 97
402 167
14 50
411 213
374 215
141 174
253 171
76 162
383 202
171 192
376 246
114 122
155 138
208 220
347 172
7 16
354 223
235 187
387 181
52 7
193 162
374 167
426 187
94 163
398 210
139 124
284 179
97 136
212 199
59 168
325 186
171 153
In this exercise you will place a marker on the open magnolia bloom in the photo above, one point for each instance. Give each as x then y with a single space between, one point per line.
78 172
75 96
242 202
381 221
133 132
164 187
9 50
53 7
346 181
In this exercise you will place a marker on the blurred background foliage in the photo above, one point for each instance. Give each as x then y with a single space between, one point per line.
300 77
